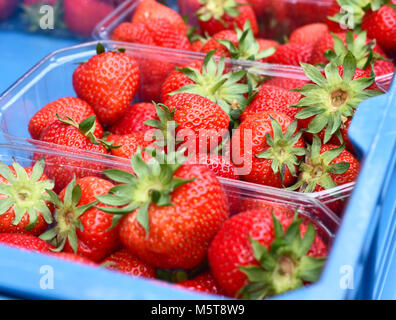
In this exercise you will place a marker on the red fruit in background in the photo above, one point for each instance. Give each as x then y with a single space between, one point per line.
25 241
133 32
68 106
292 54
271 98
286 83
260 7
130 143
81 16
7 8
266 149
124 261
205 282
245 237
213 44
134 117
80 227
381 26
24 198
150 11
215 16
267 43
163 235
108 82
309 33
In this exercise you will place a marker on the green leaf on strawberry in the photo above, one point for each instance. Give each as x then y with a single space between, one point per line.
331 100
153 184
25 194
284 266
217 9
351 13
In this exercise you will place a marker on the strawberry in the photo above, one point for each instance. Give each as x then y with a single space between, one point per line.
74 258
217 15
173 213
134 118
200 123
326 166
336 20
218 164
265 252
332 98
266 149
25 206
124 261
205 282
81 16
309 33
133 32
7 8
270 98
150 11
286 83
108 82
292 54
80 227
67 134
68 106
129 143
260 7
25 241
222 89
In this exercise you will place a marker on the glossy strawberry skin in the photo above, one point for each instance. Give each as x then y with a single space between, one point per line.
213 26
69 106
259 170
134 118
381 25
133 32
25 241
203 118
6 219
309 33
96 240
124 261
180 234
74 258
272 98
286 83
205 282
213 43
231 247
129 144
292 54
108 82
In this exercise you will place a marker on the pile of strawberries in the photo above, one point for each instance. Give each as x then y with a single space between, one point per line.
167 216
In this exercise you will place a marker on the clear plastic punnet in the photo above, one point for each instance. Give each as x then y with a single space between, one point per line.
51 79
19 268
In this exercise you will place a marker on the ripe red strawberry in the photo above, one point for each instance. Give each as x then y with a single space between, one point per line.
74 258
25 241
173 213
267 43
260 7
134 118
125 262
150 11
246 262
7 8
214 44
108 82
205 282
200 124
292 54
133 32
68 106
286 83
271 98
330 101
81 16
215 16
68 135
130 143
80 227
266 149
326 166
25 206
309 33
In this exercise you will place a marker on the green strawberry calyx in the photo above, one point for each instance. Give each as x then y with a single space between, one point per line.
153 183
332 99
212 83
247 47
25 194
285 265
216 9
317 170
361 50
67 217
87 128
281 149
